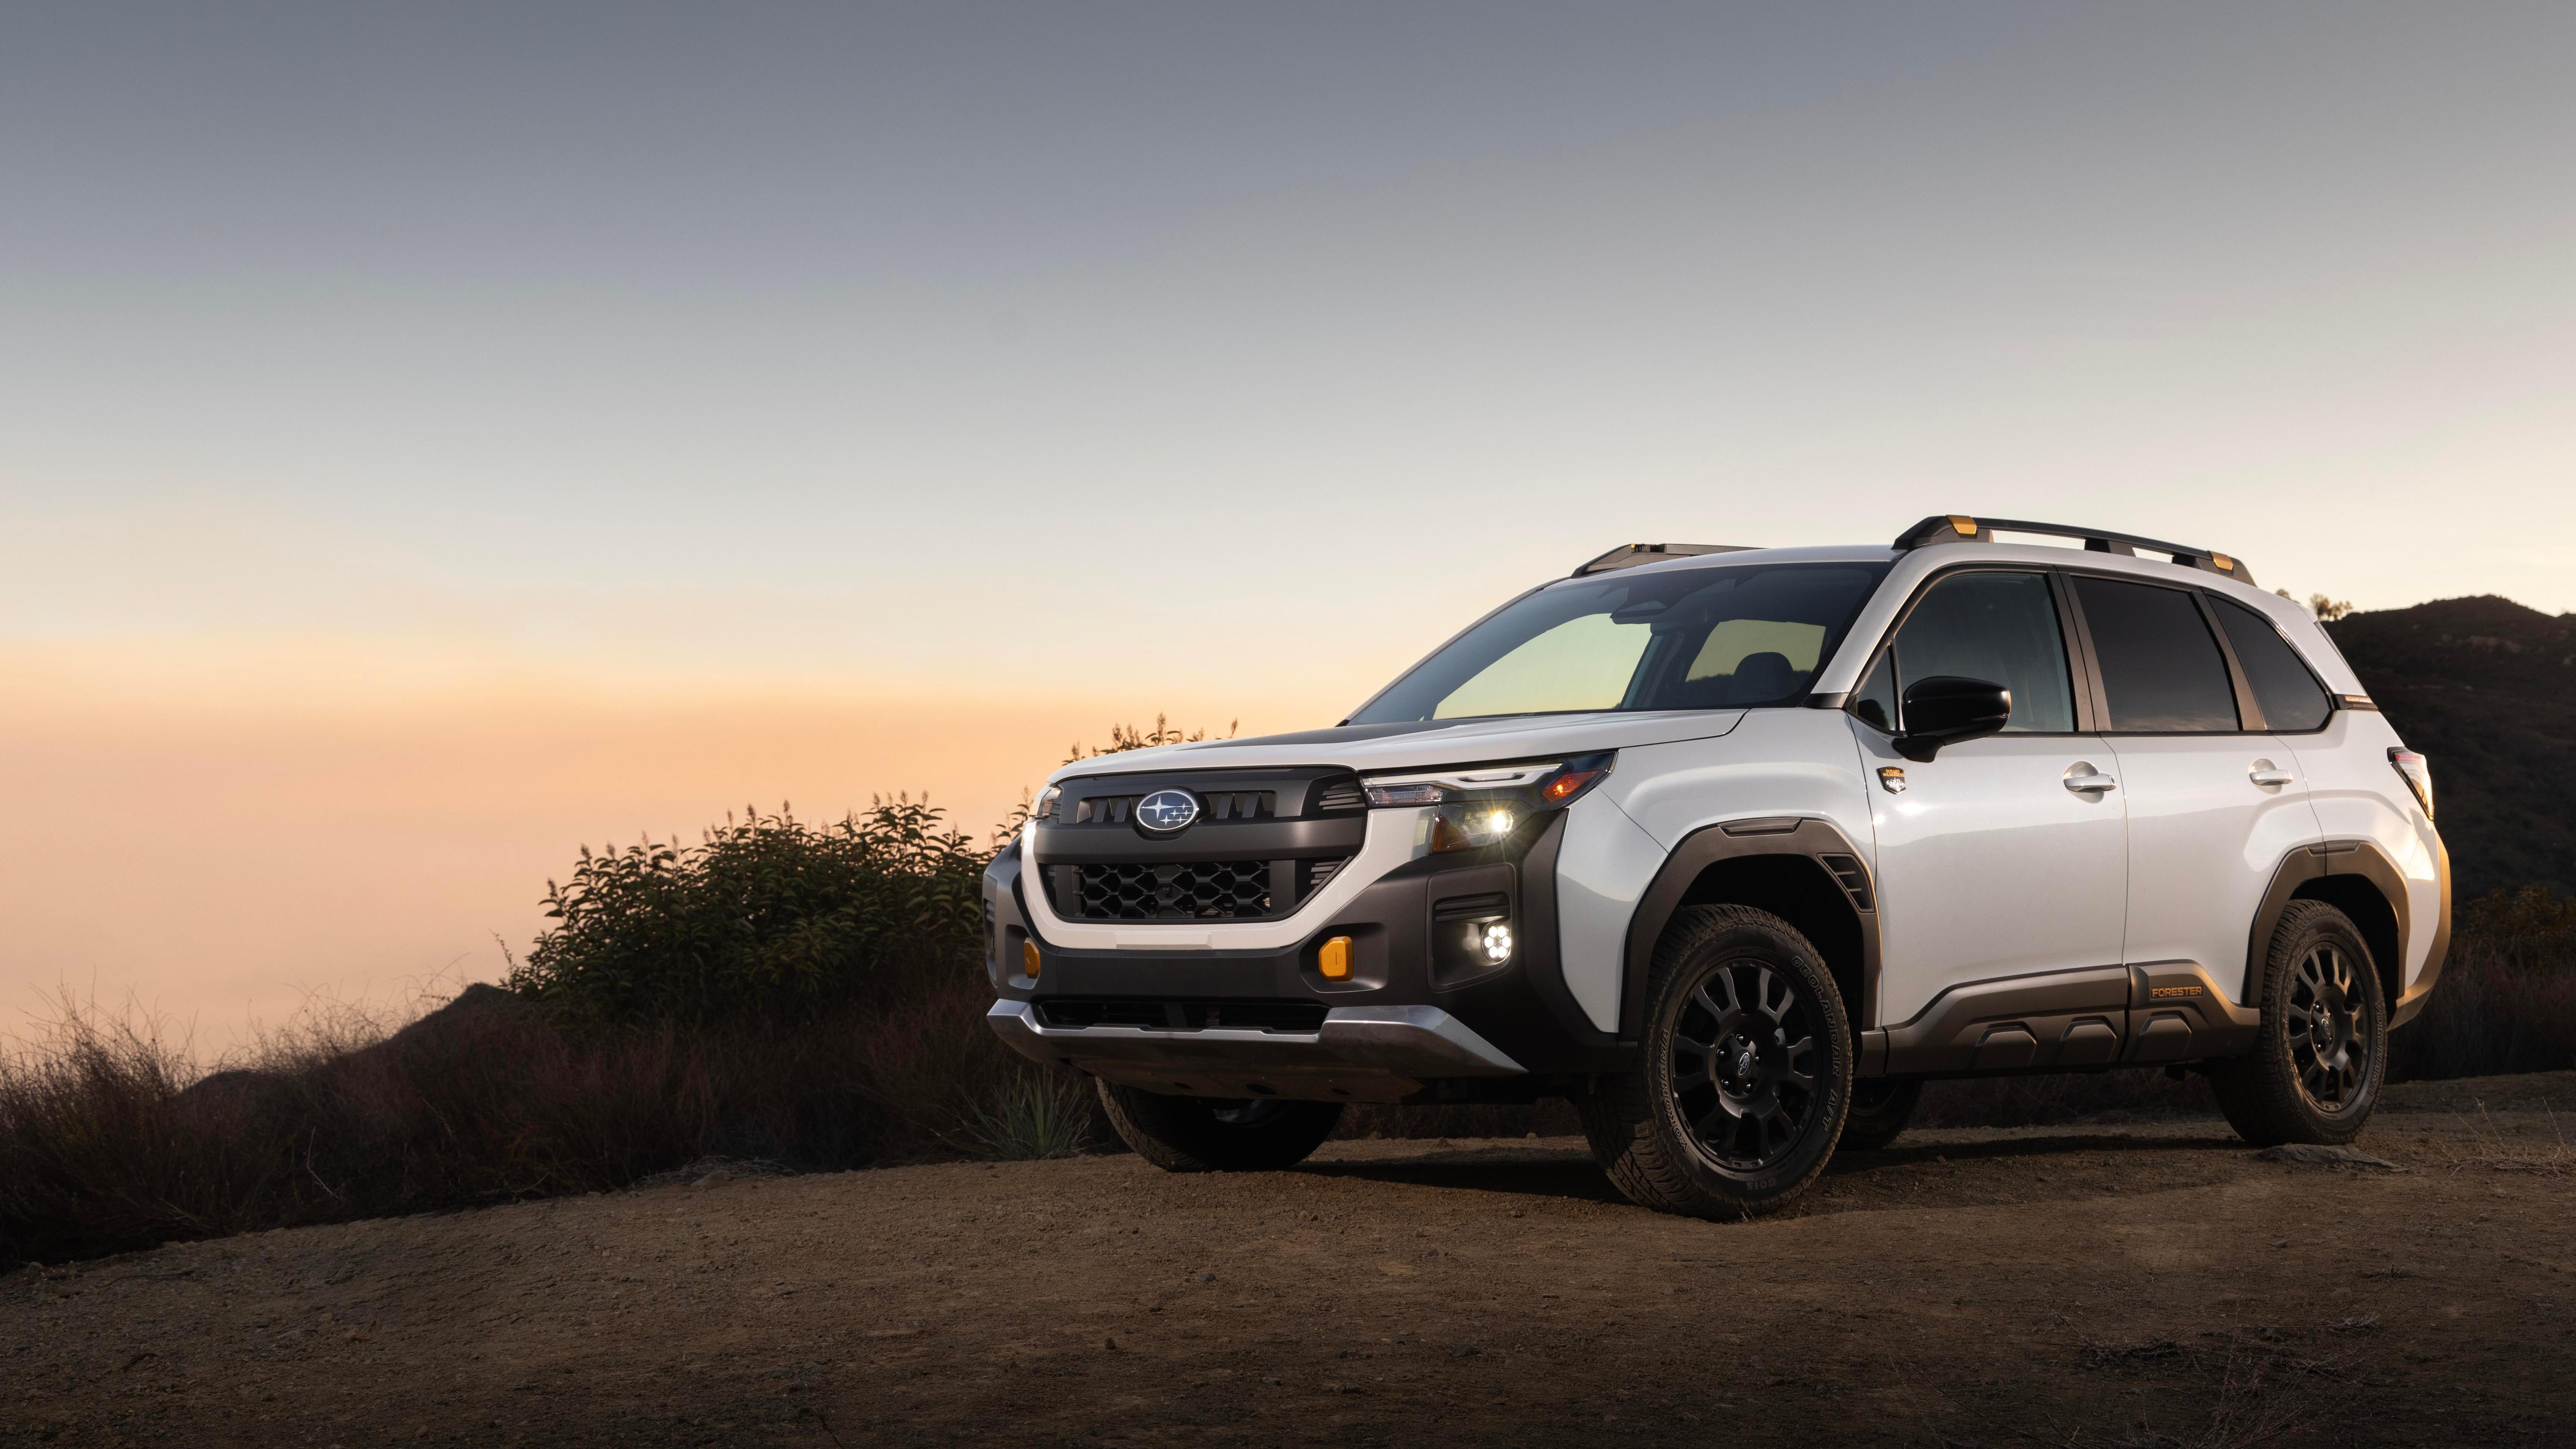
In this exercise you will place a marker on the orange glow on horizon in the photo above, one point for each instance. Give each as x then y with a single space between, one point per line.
218 842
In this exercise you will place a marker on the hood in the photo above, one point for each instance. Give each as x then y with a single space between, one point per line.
1423 744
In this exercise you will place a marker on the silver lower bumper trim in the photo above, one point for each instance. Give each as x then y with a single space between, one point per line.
1360 1054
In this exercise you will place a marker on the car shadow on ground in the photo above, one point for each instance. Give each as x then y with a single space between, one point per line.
1552 1171
1532 1171
2064 1142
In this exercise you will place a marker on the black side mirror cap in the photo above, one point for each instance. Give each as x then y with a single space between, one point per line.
1947 710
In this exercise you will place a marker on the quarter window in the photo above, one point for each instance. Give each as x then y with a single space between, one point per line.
1875 700
1993 625
2290 696
2160 668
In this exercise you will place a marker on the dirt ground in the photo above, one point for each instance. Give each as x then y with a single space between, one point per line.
2137 1285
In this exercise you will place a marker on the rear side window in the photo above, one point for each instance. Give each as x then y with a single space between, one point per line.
2160 667
1996 626
2290 696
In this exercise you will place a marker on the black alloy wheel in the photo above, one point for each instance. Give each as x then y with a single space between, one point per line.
2321 1053
1744 1065
2329 1038
1745 1076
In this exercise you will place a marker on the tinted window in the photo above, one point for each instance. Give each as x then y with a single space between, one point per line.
2163 672
2290 696
1693 638
1998 627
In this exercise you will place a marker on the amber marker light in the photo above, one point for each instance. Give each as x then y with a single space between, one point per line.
1333 958
1029 958
1567 783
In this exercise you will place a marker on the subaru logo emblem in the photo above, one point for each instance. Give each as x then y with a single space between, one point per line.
1165 811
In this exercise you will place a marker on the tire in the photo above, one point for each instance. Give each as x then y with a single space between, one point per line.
2316 1068
1746 1077
1880 1109
1213 1134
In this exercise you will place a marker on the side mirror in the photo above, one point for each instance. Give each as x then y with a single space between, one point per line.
1946 710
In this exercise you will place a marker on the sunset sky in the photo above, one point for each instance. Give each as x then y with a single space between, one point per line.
433 438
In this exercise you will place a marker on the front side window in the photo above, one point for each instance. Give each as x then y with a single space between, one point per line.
1697 638
1998 626
2290 696
2160 667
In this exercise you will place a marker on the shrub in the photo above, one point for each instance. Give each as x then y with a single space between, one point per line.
768 916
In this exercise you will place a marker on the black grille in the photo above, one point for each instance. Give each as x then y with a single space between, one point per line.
1302 1017
1206 890
1472 908
1201 890
1342 794
1104 809
1216 805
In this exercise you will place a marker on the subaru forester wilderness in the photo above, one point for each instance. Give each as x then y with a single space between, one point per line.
1736 848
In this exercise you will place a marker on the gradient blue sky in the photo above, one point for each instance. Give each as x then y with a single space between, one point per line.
703 378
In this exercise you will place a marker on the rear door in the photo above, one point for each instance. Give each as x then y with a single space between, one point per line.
2214 799
1989 864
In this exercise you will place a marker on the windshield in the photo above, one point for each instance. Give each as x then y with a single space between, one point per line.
1701 638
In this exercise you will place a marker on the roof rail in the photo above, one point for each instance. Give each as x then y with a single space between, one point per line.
1629 555
1960 528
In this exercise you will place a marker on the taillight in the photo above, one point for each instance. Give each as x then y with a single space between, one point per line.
2419 775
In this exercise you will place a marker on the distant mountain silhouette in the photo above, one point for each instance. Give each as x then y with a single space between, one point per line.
2487 690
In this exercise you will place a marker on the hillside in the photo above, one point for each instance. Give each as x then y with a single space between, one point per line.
2487 689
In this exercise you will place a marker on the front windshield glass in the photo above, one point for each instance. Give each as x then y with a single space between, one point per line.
1700 638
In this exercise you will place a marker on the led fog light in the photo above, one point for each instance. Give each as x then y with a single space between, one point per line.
1472 934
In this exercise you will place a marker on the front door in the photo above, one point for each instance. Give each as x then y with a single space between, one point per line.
2003 856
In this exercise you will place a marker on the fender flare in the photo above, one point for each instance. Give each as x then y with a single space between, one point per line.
2344 857
1803 836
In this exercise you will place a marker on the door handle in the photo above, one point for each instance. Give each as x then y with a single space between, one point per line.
2090 781
2264 773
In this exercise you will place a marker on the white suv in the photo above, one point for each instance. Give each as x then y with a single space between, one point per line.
1736 848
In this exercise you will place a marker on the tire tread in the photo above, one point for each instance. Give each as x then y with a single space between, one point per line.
2259 1092
1620 1115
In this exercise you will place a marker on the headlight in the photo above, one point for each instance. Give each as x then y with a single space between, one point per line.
1045 808
1486 805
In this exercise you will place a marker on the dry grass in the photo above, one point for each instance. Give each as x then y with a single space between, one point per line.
2261 1389
112 1138
2484 1146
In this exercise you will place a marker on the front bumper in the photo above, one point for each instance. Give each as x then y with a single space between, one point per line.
1359 1054
1410 1020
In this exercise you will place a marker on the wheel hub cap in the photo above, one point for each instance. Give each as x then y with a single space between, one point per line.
1744 1062
2329 1042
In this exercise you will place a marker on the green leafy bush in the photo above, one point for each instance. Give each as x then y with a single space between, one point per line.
767 916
